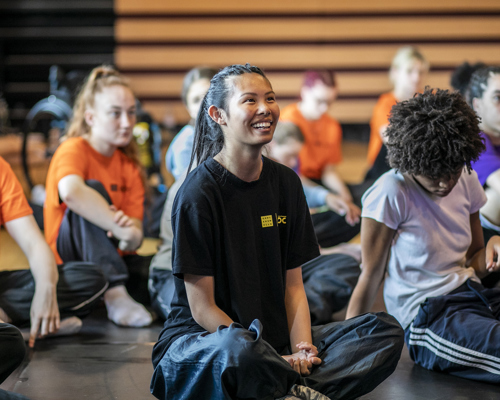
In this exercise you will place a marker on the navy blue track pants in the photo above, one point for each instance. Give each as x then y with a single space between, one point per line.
459 333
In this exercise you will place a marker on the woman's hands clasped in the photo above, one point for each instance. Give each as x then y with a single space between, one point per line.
303 360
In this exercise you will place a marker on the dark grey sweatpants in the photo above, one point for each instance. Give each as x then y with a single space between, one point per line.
329 282
236 363
79 288
80 240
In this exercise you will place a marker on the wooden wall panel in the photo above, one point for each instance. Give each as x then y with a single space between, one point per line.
295 56
284 84
158 41
299 6
304 29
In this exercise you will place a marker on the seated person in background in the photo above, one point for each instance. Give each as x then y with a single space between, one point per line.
408 70
161 281
239 326
484 98
322 149
95 190
45 293
338 224
460 78
194 86
421 230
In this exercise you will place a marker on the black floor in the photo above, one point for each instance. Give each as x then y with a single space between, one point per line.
107 362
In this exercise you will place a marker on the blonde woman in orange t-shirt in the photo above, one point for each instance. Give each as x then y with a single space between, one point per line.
407 73
95 189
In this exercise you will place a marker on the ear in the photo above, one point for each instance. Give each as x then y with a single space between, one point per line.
89 117
217 114
476 104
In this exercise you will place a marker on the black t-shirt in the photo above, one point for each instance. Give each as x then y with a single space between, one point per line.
244 234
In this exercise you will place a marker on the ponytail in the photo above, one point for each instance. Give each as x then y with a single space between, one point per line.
98 79
208 136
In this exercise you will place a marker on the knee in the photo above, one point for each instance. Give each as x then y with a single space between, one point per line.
78 272
389 327
244 347
387 323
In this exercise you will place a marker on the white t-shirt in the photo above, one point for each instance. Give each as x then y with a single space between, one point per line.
433 234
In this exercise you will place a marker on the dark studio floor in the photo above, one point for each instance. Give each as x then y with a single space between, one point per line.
105 362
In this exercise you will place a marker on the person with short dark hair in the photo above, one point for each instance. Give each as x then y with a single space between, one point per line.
484 98
461 76
421 231
240 325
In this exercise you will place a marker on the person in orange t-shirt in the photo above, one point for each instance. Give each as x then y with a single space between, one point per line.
322 149
407 72
95 190
37 295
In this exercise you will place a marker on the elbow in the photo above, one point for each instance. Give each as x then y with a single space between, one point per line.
66 197
69 196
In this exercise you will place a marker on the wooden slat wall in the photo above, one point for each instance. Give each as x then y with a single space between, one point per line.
264 7
158 41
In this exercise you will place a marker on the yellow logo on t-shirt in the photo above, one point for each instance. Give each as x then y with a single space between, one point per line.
281 219
267 221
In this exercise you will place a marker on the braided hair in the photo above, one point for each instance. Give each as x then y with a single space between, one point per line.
208 136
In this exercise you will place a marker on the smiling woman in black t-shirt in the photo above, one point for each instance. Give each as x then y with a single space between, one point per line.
240 324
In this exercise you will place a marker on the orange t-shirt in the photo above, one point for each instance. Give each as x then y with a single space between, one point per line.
117 173
323 141
13 203
380 117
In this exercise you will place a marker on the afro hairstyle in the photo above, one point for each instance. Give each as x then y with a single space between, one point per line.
433 134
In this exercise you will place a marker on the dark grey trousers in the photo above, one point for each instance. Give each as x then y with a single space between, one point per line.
161 291
80 240
79 289
329 282
236 363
